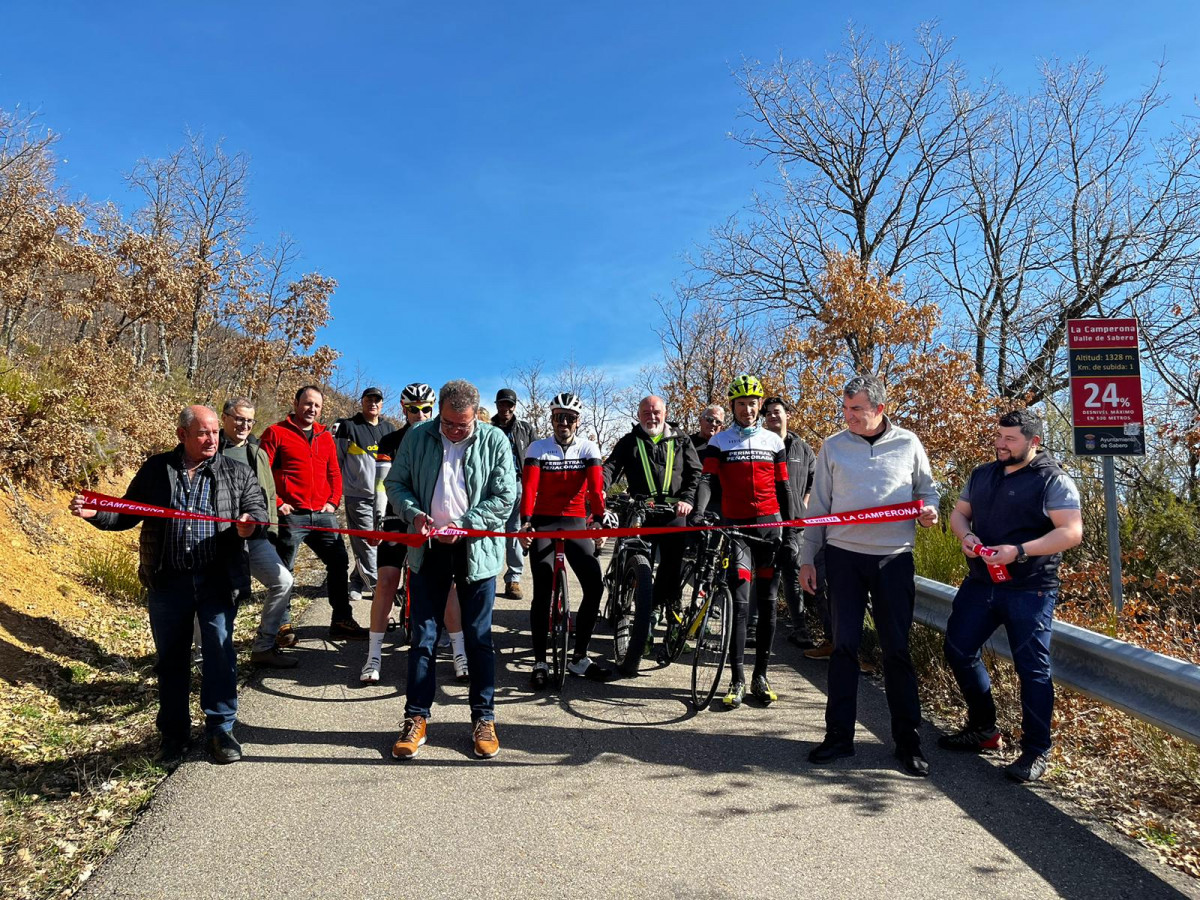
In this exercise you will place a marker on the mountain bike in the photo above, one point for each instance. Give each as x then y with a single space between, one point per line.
629 579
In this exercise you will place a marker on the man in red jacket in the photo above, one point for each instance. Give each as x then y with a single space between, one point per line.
308 487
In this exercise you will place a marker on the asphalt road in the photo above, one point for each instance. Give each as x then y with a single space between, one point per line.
612 790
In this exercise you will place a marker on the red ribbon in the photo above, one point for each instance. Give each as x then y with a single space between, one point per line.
896 512
998 573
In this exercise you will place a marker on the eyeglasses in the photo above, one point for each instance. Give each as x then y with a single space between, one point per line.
240 420
714 420
564 418
413 408
447 425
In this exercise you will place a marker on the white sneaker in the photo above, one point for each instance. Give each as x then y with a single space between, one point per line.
460 668
370 671
586 668
355 596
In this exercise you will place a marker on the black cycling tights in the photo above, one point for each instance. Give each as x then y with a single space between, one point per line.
746 561
582 559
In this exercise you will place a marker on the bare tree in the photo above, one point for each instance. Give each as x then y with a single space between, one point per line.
533 391
865 145
198 194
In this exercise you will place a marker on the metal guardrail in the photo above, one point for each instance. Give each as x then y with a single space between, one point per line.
1152 687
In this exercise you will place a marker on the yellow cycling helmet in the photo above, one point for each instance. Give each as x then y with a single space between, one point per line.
745 386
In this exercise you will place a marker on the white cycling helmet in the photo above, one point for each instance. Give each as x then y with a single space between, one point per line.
417 392
568 401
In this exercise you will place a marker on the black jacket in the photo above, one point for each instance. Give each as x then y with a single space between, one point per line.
802 466
626 459
520 435
1012 509
236 491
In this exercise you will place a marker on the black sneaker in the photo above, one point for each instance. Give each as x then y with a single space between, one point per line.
913 761
171 751
347 630
751 637
1029 766
802 641
223 748
971 740
833 747
273 658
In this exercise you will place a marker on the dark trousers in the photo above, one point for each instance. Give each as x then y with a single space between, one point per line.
753 562
981 607
329 548
671 547
581 557
176 600
441 565
888 582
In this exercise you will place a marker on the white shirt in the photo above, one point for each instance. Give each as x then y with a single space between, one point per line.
450 495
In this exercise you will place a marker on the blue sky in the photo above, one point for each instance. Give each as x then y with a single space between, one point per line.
491 182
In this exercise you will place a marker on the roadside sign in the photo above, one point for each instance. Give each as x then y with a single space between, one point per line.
1106 387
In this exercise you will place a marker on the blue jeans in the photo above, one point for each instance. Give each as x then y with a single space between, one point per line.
981 607
512 546
442 564
269 570
175 600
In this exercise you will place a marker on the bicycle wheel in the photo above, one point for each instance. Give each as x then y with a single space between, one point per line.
712 646
560 620
402 624
635 591
679 619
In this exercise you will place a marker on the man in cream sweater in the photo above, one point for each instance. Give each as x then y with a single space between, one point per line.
871 463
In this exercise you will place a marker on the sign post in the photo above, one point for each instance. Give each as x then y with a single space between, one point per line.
1106 411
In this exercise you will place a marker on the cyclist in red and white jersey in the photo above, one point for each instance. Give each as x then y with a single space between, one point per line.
750 465
562 482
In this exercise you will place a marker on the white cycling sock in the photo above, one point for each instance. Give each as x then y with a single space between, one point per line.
375 647
457 644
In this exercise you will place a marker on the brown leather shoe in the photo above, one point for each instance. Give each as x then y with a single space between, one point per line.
824 651
412 736
512 590
286 637
487 744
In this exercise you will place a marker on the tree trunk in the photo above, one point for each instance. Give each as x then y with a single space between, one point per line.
139 343
164 353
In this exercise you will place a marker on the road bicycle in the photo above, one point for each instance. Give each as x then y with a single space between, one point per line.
558 624
400 621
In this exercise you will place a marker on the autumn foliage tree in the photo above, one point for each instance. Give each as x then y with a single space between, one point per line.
85 290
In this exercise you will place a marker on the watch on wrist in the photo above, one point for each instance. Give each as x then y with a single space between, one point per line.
1022 556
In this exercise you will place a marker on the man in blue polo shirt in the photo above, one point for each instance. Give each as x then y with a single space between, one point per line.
1025 508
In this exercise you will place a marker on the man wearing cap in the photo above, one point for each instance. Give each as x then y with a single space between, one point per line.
520 435
358 440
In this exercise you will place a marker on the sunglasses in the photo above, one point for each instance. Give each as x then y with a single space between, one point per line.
565 418
413 408
713 420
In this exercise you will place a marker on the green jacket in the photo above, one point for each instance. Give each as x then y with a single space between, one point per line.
491 489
